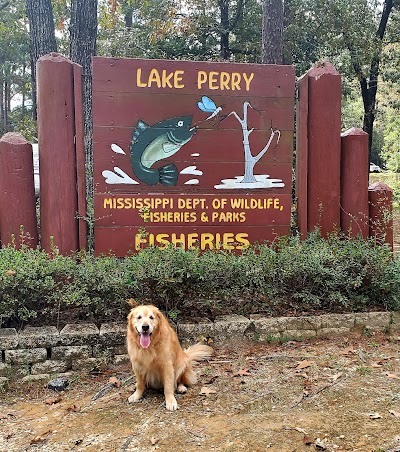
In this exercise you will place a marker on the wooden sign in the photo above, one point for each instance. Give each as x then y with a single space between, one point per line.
191 153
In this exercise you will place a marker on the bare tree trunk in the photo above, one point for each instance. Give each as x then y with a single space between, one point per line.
6 103
369 85
42 37
83 31
272 32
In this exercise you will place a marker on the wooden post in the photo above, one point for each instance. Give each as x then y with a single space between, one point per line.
321 165
354 183
302 154
17 192
56 131
380 198
80 156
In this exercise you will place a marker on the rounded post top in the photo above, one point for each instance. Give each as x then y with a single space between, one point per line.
14 138
323 68
353 131
54 57
379 186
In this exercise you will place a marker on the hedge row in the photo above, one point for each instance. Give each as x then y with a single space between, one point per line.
293 276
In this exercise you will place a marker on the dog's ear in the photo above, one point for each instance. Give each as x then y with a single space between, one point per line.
132 303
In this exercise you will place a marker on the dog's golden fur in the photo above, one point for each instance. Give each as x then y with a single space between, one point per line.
157 358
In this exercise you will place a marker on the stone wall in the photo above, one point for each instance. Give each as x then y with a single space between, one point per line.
36 353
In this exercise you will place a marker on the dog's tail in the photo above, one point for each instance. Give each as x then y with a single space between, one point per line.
198 352
194 353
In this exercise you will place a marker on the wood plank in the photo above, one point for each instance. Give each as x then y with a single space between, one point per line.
120 75
211 145
120 241
213 175
192 210
125 109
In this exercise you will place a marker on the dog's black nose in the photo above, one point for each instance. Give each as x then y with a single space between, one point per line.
145 328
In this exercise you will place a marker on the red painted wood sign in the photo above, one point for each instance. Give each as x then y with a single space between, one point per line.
191 153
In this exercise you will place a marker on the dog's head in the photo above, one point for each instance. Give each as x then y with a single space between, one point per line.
144 321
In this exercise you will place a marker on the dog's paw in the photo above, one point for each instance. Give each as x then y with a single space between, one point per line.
181 389
171 404
135 397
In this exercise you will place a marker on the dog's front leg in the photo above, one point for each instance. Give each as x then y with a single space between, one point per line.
140 387
169 387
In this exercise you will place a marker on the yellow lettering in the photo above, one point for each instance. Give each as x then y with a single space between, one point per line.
162 239
175 240
139 239
227 238
212 80
192 240
154 77
276 203
242 238
225 77
166 79
201 79
139 83
248 79
178 79
235 83
108 203
206 239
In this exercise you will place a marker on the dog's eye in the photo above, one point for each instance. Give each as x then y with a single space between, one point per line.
139 317
151 317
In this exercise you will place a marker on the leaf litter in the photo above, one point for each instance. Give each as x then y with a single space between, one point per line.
292 396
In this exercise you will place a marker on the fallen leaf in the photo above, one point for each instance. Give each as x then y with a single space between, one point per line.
303 364
395 413
242 373
307 440
53 400
211 379
347 351
11 273
154 441
115 382
73 409
374 416
40 438
205 390
389 375
336 376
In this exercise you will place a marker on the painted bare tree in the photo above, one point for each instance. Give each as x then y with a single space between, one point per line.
42 37
250 160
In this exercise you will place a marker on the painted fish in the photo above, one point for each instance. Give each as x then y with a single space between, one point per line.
153 143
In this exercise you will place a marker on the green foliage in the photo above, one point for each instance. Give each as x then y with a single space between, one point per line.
315 275
34 285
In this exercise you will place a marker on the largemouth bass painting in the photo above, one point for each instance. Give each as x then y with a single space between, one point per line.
151 144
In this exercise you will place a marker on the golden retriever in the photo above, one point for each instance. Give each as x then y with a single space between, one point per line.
157 358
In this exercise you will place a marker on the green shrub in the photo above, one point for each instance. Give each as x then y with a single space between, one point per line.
293 276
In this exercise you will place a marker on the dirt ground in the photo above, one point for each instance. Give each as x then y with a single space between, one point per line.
334 394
